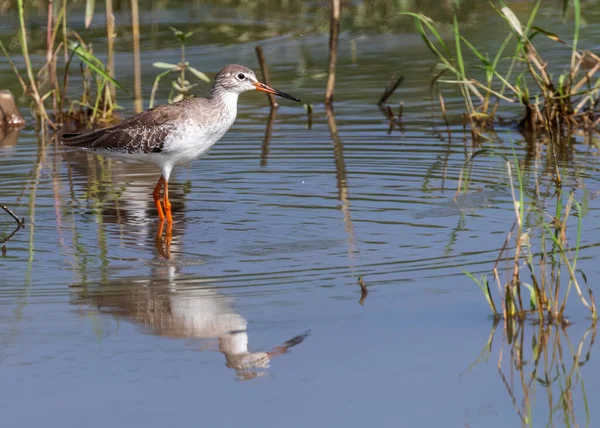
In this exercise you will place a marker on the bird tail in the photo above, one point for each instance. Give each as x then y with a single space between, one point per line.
81 141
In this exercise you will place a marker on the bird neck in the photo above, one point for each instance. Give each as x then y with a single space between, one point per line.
226 98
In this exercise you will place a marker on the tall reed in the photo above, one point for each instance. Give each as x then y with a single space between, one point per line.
536 255
558 105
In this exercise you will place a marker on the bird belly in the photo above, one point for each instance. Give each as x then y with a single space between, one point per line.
185 146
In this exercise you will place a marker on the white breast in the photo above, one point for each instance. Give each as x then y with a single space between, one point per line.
194 137
189 142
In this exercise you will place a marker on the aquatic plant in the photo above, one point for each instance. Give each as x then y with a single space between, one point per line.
180 86
537 246
558 105
96 103
48 95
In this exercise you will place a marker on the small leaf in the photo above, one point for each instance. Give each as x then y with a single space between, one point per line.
89 12
177 98
549 34
513 20
166 65
532 297
199 74
175 31
177 86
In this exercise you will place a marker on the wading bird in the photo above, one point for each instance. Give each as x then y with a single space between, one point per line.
175 133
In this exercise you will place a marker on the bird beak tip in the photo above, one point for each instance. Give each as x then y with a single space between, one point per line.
265 88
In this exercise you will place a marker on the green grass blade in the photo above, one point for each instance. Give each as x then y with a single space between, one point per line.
483 286
94 64
459 57
549 34
421 19
532 16
577 16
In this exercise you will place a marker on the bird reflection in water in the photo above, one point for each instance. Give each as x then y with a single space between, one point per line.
178 307
166 302
117 192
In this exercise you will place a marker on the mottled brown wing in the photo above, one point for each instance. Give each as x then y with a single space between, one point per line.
145 132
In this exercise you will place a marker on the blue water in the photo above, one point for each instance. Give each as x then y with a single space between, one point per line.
103 324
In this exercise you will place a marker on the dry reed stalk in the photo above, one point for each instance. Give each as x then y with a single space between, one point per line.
334 35
264 69
110 42
137 68
32 89
50 57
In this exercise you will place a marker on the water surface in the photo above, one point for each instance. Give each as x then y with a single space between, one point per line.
102 323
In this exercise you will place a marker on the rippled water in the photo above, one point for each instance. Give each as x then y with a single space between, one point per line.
98 327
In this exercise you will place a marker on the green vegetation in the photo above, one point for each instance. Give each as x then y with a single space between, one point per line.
50 102
557 105
536 251
180 85
537 254
96 103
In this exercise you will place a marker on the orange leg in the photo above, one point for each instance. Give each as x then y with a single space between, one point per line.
167 204
164 245
156 196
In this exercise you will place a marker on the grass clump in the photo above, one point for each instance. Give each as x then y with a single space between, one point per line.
49 93
554 105
96 103
537 254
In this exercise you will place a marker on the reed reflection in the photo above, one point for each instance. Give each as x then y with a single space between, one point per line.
541 370
264 155
341 177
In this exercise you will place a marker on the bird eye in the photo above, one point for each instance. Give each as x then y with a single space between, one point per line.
241 76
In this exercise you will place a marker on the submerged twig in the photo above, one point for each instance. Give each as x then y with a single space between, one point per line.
392 85
20 225
3 241
309 111
387 111
364 290
20 222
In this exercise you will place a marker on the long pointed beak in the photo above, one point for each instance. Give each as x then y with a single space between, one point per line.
262 87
